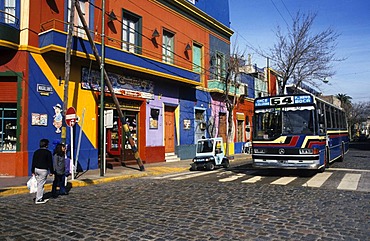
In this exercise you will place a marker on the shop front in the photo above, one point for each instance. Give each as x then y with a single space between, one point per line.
117 144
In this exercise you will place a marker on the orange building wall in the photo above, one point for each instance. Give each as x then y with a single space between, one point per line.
155 16
245 106
50 14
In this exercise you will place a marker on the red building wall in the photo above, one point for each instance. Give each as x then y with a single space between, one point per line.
16 164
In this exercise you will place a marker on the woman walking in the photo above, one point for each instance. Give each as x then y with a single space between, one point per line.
59 170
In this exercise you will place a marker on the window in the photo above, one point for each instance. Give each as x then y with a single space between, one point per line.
197 58
321 117
220 66
328 117
131 32
8 127
168 47
78 29
9 9
200 124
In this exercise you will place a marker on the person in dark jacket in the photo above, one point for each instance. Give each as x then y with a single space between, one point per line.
42 165
59 170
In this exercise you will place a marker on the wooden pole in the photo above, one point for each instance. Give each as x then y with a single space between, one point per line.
110 88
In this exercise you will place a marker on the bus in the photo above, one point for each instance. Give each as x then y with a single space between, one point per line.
298 131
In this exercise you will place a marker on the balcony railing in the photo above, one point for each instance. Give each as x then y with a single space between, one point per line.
9 30
54 33
215 85
61 26
10 19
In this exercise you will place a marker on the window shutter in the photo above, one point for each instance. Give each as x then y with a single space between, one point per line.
8 92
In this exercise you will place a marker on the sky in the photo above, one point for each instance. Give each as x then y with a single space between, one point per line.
254 23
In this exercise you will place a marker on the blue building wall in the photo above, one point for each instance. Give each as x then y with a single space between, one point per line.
218 9
249 80
190 100
41 104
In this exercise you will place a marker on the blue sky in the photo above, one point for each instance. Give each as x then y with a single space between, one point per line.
254 23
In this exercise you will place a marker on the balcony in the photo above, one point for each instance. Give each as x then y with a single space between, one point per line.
218 86
54 36
9 31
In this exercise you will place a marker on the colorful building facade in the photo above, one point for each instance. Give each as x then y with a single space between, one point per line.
160 57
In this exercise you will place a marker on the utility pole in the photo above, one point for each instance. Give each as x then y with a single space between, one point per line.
110 87
67 65
102 92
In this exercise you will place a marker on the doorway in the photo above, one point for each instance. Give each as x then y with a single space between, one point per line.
169 128
117 143
222 132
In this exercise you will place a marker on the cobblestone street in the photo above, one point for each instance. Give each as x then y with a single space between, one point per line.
142 209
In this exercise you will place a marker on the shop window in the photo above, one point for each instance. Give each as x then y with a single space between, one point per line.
8 127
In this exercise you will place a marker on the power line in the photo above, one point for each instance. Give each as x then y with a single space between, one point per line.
287 9
255 50
204 70
279 12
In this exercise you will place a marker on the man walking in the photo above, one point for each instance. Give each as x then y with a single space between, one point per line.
42 165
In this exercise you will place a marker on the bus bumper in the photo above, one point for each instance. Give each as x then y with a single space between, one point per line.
286 164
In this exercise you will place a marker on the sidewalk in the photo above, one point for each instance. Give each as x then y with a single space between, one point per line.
17 185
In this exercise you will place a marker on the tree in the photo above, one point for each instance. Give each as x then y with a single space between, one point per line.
357 113
345 102
230 97
302 56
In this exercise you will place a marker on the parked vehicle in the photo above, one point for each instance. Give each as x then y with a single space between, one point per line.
210 153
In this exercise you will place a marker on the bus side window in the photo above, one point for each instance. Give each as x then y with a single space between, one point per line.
321 116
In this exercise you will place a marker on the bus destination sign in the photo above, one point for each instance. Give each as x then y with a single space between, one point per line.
284 100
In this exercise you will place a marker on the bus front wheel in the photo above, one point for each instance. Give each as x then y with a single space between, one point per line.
342 154
326 161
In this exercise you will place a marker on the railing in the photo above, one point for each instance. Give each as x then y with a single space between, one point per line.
220 86
55 24
8 18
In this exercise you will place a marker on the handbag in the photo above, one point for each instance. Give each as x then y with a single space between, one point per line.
32 184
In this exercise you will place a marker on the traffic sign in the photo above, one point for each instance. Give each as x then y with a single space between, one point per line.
71 116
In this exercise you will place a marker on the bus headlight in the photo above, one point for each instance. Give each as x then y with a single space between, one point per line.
259 151
305 151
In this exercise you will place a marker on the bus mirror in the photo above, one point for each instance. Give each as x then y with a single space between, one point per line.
321 128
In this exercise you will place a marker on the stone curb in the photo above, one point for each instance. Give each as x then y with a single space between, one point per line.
153 171
95 179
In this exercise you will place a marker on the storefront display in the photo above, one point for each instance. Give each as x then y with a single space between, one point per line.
8 128
115 136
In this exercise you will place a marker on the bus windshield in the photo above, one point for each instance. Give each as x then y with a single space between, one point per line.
271 123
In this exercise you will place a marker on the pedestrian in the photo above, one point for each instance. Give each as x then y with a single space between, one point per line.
42 165
247 147
59 170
